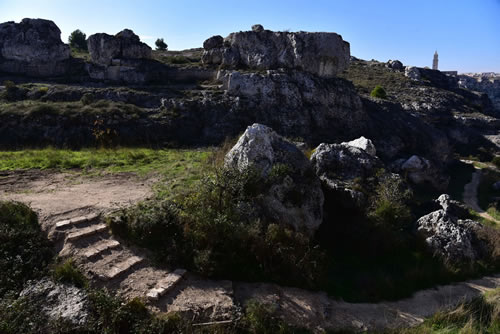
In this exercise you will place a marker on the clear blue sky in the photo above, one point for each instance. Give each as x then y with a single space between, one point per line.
466 33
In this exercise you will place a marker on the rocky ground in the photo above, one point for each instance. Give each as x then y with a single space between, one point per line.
71 206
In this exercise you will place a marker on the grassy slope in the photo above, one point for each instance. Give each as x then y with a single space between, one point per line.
178 169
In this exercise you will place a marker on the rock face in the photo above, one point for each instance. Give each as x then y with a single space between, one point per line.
421 170
488 85
122 57
364 144
103 48
395 65
341 166
323 54
452 238
59 301
33 47
297 199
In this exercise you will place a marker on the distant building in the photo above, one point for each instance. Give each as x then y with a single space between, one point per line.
435 61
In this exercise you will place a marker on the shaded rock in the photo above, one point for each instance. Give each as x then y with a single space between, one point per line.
364 144
341 167
454 239
257 28
59 301
213 42
103 48
296 198
421 171
323 54
33 47
395 65
32 40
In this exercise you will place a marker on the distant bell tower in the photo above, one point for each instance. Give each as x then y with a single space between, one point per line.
435 61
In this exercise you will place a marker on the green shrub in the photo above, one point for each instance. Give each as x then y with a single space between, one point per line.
389 206
11 92
66 272
43 90
378 92
24 249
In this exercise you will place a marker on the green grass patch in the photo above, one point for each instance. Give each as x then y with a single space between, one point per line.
478 316
66 272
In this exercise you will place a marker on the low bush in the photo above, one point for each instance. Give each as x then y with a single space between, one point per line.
24 249
66 272
378 92
496 161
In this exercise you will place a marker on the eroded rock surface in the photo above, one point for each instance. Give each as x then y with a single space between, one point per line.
296 199
104 48
33 47
323 54
341 166
59 301
454 239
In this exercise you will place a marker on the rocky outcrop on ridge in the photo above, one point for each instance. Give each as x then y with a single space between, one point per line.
453 238
322 54
33 47
295 196
106 49
488 85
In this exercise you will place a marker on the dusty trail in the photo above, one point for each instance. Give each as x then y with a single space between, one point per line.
470 194
71 207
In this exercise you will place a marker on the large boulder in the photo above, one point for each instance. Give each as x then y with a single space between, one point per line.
59 301
323 54
455 240
33 47
104 48
296 198
32 40
343 167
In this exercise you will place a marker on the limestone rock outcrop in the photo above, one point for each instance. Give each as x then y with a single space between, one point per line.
421 171
296 198
60 302
450 237
323 54
104 48
33 47
122 57
341 166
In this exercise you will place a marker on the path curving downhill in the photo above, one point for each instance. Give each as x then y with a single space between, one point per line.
71 208
470 194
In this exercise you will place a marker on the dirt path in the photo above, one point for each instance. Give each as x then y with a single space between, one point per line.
71 208
470 194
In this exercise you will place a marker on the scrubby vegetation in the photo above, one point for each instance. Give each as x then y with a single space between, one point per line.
24 250
479 316
378 92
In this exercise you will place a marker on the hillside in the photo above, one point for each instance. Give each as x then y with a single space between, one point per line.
266 182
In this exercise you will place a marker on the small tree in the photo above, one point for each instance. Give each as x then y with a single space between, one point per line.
161 45
78 40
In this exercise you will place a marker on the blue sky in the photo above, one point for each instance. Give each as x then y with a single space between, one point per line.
466 33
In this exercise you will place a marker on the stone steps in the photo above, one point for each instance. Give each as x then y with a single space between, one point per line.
100 247
120 268
85 232
165 284
75 221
